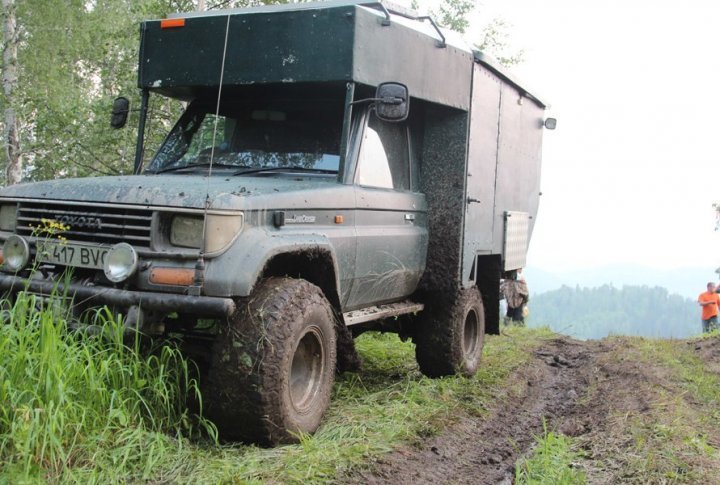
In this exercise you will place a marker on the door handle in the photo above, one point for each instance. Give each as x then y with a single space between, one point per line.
410 217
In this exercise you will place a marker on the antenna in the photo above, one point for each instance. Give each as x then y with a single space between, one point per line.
199 279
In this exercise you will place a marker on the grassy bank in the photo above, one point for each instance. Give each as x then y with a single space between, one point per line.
90 409
86 408
93 409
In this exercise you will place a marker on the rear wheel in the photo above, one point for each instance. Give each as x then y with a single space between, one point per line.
451 335
272 367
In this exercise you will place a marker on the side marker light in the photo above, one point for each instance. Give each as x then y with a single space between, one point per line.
172 23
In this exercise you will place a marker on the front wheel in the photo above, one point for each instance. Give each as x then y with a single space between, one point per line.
450 336
273 364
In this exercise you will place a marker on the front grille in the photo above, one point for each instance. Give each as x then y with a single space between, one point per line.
90 224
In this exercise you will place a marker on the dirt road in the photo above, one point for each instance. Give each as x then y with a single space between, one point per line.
598 392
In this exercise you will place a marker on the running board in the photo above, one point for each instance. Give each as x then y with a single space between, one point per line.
379 312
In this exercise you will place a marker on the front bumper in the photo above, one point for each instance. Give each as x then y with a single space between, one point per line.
207 306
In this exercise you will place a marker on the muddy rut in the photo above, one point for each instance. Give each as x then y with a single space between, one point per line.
550 391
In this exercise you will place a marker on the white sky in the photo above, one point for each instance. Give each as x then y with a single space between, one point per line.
632 171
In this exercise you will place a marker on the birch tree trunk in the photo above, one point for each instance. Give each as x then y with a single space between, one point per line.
13 171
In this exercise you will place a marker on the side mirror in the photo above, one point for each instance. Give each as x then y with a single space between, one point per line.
550 123
392 102
120 110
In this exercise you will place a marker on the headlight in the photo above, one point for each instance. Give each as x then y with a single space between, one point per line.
8 217
120 262
16 253
187 231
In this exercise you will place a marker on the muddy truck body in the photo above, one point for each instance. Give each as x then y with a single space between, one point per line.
339 167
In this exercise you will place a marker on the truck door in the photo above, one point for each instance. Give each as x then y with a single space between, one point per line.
391 217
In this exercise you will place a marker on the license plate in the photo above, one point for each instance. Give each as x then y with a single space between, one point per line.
77 255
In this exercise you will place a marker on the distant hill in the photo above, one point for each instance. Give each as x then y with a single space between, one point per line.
688 282
592 313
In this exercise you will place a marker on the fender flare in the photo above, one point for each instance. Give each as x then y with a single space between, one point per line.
236 272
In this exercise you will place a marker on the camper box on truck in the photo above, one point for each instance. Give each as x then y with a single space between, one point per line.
339 167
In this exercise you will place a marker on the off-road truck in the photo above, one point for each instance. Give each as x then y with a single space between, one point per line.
339 167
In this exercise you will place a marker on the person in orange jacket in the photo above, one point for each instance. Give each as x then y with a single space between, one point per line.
709 301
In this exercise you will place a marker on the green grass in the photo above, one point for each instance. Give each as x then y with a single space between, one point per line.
75 408
84 408
552 462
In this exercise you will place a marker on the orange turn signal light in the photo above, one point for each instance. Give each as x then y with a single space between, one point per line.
172 276
172 23
339 219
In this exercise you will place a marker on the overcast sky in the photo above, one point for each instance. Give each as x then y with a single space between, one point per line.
632 171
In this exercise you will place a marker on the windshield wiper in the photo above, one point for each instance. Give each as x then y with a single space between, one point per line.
196 165
284 169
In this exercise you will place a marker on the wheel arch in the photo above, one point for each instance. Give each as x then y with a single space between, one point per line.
314 264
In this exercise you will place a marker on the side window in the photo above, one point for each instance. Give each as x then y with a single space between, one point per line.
383 160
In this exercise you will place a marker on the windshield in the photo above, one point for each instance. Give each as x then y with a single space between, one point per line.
254 136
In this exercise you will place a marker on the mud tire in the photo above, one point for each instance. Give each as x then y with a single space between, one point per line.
451 335
273 365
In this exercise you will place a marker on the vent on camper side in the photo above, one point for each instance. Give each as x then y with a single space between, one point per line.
517 229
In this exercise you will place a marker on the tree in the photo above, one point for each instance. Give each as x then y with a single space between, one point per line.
495 40
10 82
632 310
453 14
494 37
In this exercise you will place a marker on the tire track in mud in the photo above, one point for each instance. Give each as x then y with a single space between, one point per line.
485 449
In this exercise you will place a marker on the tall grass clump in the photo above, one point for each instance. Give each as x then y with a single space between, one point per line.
552 462
82 407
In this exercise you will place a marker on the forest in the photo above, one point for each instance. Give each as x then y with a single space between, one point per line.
592 313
